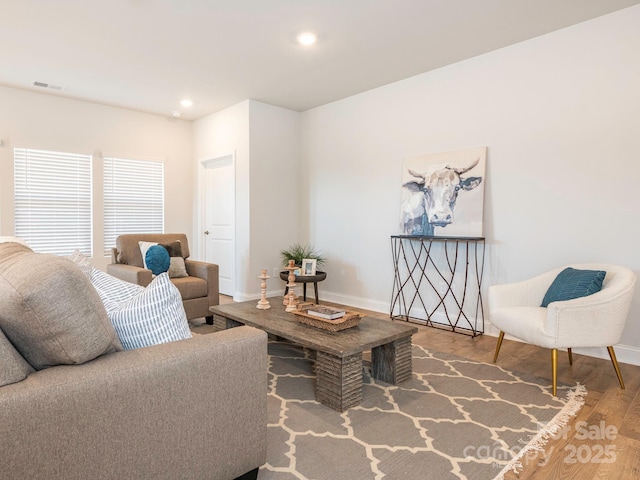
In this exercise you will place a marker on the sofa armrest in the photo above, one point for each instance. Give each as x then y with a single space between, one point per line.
192 409
130 273
208 272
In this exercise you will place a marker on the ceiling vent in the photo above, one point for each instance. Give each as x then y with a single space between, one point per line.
48 86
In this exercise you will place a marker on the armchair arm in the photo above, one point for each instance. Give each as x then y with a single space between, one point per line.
526 293
593 321
130 273
208 272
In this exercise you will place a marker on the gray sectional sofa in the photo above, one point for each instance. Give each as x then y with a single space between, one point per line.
74 405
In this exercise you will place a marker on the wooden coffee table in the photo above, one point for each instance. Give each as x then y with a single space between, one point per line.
338 355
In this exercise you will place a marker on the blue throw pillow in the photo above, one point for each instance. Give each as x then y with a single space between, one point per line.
157 259
571 283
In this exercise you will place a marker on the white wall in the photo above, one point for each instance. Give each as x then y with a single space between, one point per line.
30 119
275 190
560 115
265 141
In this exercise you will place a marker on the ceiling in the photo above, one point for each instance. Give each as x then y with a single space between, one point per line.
147 55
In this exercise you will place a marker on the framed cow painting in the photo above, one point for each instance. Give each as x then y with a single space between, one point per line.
443 194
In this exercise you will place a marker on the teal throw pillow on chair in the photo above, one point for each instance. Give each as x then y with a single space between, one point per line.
157 259
572 283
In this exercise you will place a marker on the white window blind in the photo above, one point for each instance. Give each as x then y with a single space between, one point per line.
133 198
53 200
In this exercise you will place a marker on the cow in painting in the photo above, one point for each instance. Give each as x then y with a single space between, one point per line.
433 198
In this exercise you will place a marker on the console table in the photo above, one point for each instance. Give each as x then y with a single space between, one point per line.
438 282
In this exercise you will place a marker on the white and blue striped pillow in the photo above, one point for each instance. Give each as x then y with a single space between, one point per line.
112 289
143 316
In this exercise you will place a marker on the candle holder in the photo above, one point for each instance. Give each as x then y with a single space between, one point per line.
263 304
291 300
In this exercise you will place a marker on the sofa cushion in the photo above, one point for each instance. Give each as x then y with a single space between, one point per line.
14 367
50 311
177 267
173 248
157 259
191 287
144 246
13 240
143 316
572 283
82 261
112 289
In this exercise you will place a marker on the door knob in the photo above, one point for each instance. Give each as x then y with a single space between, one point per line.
206 232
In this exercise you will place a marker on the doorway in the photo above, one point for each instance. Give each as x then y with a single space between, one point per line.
219 218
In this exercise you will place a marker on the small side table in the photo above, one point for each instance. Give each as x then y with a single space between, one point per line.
304 279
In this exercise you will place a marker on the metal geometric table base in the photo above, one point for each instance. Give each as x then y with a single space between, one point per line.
439 278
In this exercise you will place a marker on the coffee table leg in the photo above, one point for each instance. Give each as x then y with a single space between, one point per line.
391 363
222 323
339 380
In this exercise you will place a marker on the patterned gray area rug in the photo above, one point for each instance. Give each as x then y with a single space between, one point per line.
456 419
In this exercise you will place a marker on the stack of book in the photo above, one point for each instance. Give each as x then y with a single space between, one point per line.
328 313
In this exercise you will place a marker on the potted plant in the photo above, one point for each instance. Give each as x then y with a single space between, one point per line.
298 252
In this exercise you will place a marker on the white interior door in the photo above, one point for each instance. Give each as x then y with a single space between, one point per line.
219 213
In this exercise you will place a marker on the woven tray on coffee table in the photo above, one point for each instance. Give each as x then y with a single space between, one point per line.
348 320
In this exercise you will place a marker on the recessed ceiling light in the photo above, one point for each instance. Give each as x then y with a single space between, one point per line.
307 38
186 103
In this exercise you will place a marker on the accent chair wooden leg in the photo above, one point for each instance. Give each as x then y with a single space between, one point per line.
570 356
554 371
498 345
614 360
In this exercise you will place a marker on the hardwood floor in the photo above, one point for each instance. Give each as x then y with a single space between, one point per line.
603 441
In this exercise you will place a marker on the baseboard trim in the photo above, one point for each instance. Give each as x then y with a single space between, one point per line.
358 302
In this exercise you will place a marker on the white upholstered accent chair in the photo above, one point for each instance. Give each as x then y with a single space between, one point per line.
593 321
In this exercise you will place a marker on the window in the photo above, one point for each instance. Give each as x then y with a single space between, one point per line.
53 200
133 198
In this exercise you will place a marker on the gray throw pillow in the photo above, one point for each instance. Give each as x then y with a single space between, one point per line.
177 267
50 311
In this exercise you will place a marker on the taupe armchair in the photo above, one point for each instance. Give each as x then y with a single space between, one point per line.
199 290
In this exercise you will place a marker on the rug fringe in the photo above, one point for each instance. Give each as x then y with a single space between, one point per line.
575 401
